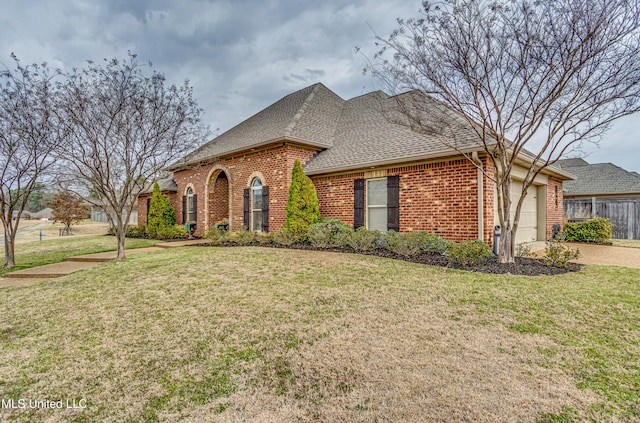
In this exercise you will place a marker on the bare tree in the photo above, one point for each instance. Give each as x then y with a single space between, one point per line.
28 136
539 75
124 127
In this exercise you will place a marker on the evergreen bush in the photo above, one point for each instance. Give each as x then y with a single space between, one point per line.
329 233
363 239
162 216
469 252
171 232
599 230
302 207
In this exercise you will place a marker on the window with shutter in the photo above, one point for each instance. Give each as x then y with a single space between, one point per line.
265 209
184 209
245 209
358 203
393 203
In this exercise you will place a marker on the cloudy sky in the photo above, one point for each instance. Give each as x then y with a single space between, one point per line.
240 56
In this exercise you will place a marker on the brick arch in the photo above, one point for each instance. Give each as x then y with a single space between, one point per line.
218 196
256 175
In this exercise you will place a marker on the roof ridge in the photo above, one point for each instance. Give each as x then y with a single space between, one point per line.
305 104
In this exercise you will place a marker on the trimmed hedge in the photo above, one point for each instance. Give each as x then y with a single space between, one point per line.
598 230
329 233
469 252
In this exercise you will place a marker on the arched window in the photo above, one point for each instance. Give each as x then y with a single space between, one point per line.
256 205
191 205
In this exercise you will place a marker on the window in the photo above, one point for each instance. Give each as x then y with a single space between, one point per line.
191 205
377 204
256 205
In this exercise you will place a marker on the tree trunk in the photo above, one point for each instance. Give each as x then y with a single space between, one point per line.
506 254
9 246
121 232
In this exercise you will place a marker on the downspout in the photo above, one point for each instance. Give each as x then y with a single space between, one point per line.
478 162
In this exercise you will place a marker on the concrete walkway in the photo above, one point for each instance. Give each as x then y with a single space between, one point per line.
73 264
607 255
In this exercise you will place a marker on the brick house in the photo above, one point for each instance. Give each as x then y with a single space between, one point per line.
368 171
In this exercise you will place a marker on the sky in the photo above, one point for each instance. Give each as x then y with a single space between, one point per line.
239 56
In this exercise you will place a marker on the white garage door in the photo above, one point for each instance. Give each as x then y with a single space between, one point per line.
528 227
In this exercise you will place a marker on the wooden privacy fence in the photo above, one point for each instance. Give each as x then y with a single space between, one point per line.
624 214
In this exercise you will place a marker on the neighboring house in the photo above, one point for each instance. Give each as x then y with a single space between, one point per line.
100 215
46 213
603 190
367 170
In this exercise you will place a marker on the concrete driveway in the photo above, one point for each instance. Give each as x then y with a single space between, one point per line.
607 255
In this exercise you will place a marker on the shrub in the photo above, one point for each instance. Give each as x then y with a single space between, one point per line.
387 240
598 230
329 233
469 252
363 239
557 254
170 232
407 244
136 231
264 238
302 206
284 237
161 214
243 237
216 236
411 243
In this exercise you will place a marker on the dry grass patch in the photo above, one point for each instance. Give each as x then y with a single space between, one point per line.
258 334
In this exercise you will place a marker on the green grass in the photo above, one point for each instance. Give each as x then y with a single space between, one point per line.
282 335
57 250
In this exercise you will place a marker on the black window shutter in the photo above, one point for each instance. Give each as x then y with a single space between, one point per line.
358 203
195 207
265 209
148 208
246 208
393 203
184 209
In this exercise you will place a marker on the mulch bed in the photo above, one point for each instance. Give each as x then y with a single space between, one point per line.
522 266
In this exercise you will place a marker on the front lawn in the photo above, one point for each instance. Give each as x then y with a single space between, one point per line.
39 253
262 334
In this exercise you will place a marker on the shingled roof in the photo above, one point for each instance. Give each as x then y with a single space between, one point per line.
373 131
365 131
308 116
598 179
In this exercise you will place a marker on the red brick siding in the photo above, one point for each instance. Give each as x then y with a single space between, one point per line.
335 195
555 213
273 164
441 198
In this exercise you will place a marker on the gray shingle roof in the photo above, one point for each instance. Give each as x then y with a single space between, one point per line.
309 115
601 178
165 184
360 132
373 131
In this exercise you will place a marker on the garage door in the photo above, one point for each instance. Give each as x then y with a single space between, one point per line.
528 227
